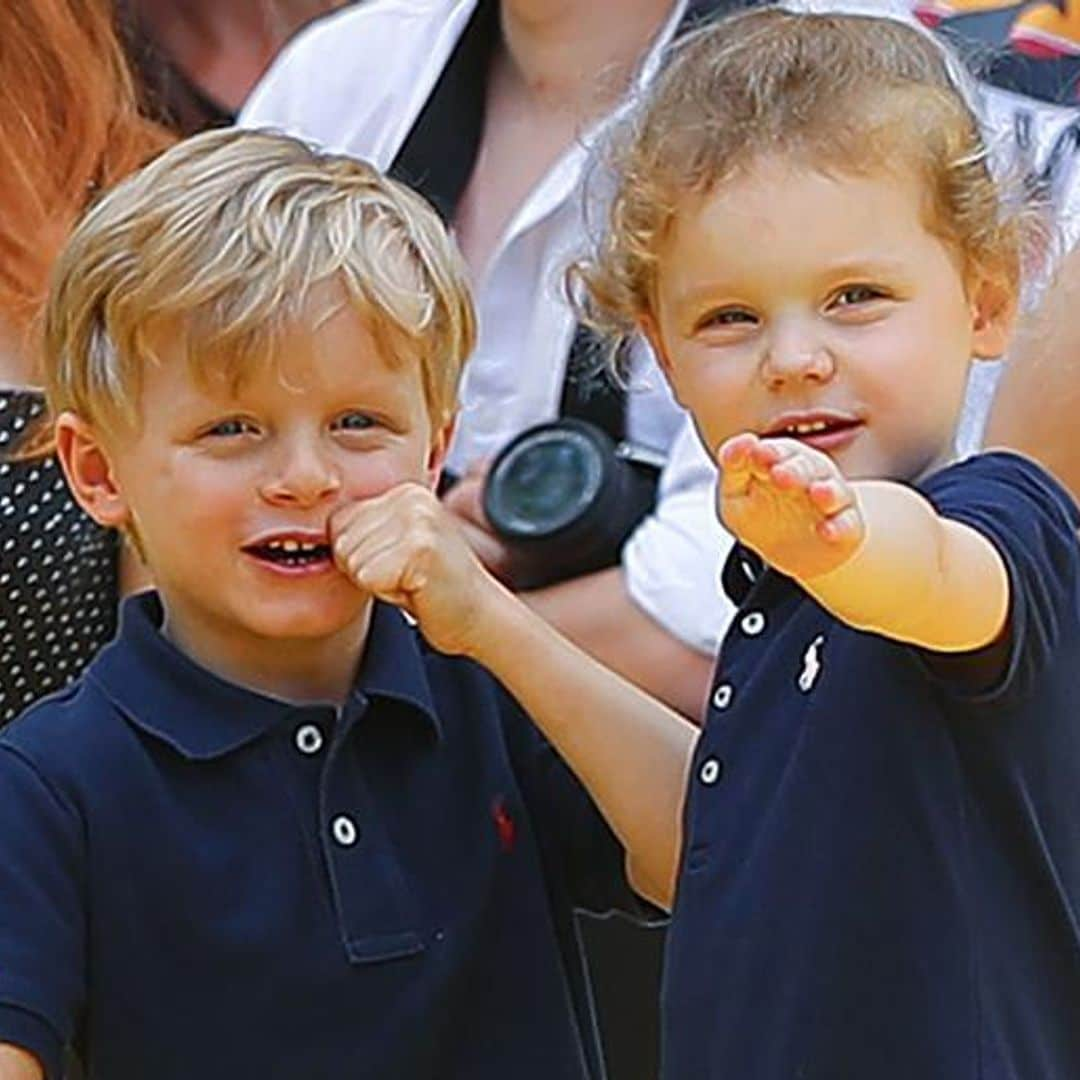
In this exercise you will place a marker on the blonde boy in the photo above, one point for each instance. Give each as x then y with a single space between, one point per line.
270 833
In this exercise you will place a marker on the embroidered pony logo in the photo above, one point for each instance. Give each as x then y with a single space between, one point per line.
811 664
504 824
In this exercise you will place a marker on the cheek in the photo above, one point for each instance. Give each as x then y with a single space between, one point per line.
713 398
374 474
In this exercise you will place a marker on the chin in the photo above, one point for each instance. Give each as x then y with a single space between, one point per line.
305 622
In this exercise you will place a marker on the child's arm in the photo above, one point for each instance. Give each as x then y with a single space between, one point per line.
17 1064
630 752
874 553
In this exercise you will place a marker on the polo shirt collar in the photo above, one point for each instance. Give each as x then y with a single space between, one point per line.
742 570
201 715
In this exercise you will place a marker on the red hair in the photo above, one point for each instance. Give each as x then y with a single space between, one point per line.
69 125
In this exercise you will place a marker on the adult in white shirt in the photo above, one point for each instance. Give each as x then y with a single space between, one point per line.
356 83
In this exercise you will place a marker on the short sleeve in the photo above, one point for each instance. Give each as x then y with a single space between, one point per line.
42 917
1032 522
576 843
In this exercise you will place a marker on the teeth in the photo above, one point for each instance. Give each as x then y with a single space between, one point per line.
809 429
293 545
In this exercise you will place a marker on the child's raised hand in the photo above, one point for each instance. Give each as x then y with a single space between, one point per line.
404 548
789 503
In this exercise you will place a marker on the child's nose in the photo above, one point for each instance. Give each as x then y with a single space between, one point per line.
302 474
796 358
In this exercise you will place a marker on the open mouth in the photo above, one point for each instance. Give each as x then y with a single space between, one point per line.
809 428
815 431
292 554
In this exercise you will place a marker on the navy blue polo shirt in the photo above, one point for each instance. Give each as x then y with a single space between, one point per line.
881 868
198 881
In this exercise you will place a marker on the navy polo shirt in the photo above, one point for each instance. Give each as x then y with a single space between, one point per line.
881 868
198 881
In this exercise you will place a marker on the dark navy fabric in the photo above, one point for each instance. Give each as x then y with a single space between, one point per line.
881 869
197 881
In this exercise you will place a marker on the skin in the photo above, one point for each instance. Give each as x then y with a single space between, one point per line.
831 312
871 550
225 48
561 65
221 468
1035 407
17 1064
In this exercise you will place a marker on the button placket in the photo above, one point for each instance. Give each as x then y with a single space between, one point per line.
376 913
722 696
711 770
344 830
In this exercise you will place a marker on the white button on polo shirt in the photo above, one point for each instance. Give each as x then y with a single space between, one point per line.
309 739
710 771
721 699
752 623
344 831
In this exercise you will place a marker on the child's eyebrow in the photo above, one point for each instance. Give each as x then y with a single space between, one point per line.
863 265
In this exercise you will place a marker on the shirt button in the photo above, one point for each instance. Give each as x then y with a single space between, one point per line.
345 832
721 699
710 771
752 623
308 739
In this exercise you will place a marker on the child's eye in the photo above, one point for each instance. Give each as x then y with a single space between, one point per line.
354 421
853 295
726 317
231 429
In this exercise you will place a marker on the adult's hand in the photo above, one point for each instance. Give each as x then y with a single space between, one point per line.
465 500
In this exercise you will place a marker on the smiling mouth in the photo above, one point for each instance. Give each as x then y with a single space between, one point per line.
810 429
292 553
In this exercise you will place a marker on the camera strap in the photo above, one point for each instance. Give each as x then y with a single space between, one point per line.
437 159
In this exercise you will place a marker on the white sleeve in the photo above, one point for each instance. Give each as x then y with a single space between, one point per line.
672 562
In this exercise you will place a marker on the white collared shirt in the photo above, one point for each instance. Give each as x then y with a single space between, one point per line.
355 83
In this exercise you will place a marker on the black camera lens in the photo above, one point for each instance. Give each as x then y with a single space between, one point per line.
544 482
566 498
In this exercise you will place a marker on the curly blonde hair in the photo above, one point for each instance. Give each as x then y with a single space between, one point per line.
844 93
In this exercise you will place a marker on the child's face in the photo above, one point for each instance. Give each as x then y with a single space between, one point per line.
790 302
230 492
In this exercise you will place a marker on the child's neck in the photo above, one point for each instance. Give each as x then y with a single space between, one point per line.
299 670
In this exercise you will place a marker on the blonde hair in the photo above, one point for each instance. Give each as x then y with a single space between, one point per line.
844 93
219 243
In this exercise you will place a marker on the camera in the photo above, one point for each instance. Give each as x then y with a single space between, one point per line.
565 497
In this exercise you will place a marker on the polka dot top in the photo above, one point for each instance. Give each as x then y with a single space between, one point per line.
58 571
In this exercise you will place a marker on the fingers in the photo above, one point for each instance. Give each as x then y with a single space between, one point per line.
843 529
778 471
735 458
379 543
785 464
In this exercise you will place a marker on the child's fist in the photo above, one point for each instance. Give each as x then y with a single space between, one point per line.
790 503
404 548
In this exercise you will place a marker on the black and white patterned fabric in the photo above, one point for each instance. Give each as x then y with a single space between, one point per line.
58 570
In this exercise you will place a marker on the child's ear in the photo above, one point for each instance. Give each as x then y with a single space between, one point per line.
440 446
994 303
89 471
